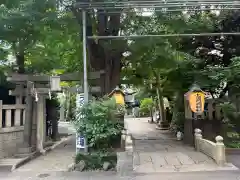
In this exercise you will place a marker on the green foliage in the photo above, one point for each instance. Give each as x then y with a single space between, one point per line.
95 160
146 106
232 116
71 107
99 123
177 123
233 144
178 118
46 35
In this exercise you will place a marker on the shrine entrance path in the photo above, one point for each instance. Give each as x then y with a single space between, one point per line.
158 151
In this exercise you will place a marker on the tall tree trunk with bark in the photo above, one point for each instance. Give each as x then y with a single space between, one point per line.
102 54
20 62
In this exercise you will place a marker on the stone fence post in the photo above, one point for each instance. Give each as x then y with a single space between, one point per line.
220 151
198 137
123 139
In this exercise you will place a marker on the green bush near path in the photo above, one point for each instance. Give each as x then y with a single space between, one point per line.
99 121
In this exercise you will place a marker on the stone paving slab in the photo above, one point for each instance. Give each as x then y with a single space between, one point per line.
56 160
184 159
158 160
158 151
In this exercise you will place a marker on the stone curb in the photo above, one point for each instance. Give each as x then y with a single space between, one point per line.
38 153
128 148
25 160
70 167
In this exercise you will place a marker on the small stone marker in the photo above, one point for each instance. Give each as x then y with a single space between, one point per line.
106 166
80 166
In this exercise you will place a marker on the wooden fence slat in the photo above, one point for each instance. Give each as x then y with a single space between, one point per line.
8 118
24 116
210 110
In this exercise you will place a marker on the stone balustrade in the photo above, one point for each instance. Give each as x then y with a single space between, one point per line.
12 115
214 150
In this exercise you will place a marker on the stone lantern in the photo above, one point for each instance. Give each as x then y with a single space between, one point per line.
118 95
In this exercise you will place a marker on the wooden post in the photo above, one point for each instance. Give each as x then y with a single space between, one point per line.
28 116
41 123
62 113
210 110
0 113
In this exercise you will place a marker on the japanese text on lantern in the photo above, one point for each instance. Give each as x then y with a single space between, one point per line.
196 101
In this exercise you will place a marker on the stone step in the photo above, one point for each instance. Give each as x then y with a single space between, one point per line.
8 163
24 150
23 155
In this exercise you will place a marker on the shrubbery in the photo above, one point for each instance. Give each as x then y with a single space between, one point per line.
98 121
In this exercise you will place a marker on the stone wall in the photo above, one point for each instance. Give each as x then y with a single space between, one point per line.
11 128
9 139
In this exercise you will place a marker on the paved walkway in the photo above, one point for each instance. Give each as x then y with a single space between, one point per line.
56 160
220 175
158 151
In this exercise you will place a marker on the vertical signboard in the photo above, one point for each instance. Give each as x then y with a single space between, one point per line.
81 144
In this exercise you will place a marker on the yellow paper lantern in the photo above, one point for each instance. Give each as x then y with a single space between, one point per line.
196 101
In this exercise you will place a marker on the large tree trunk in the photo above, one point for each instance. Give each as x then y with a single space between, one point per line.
102 53
161 104
20 62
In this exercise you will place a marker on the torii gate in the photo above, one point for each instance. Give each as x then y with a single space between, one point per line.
39 87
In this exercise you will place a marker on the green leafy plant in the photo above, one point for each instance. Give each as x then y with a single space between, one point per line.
231 116
177 123
98 122
146 106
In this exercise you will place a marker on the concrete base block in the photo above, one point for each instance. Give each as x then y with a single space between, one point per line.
26 150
